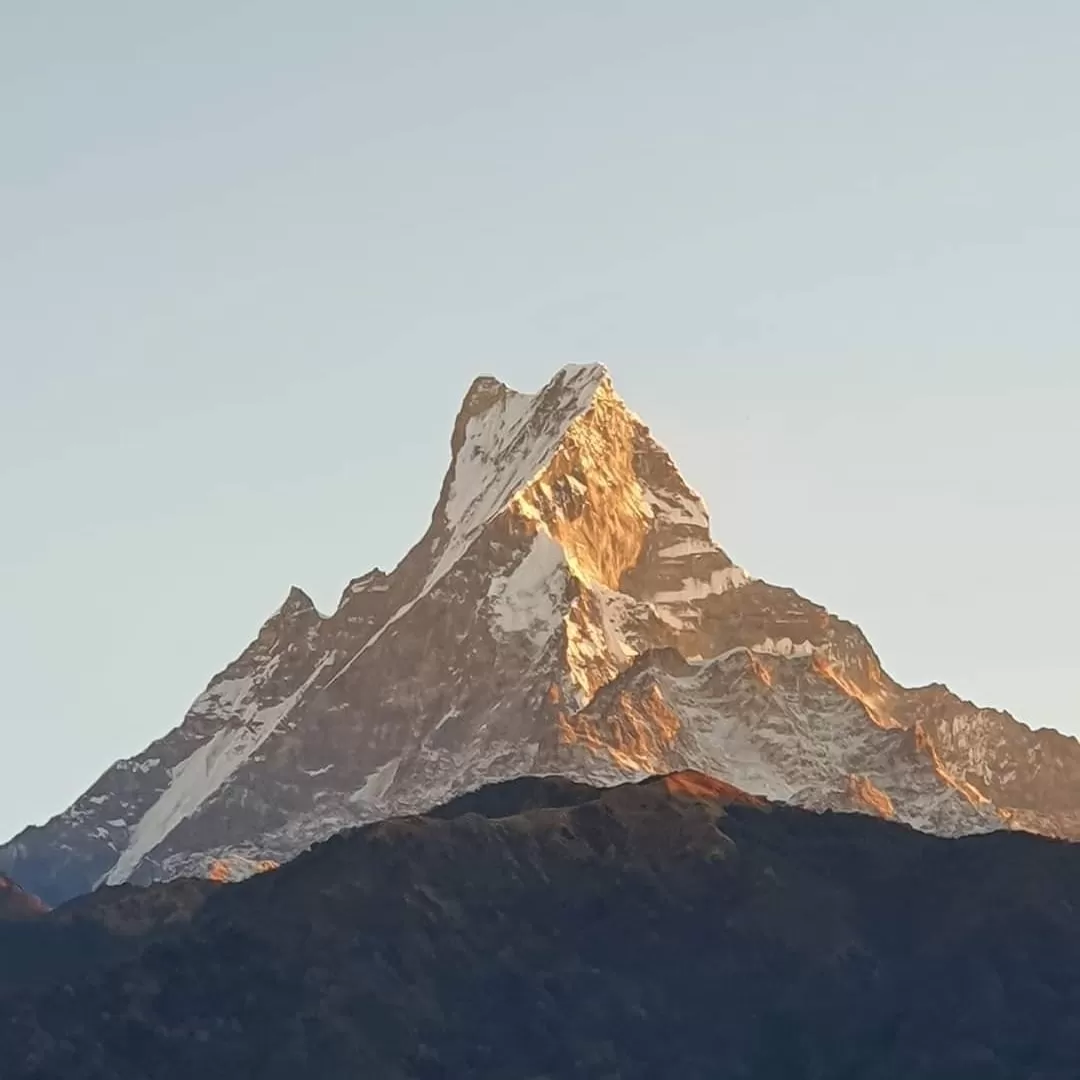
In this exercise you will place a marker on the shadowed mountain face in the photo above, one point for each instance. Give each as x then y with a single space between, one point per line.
541 929
566 612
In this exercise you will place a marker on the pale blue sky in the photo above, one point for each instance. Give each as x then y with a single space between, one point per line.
251 255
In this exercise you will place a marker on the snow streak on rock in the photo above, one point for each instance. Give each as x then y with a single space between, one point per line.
197 777
567 611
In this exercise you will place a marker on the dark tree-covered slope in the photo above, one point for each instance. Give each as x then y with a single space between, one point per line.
674 928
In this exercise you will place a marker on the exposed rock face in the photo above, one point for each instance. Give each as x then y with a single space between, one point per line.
540 928
566 611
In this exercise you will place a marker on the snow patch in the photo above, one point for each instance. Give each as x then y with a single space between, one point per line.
589 655
688 547
784 647
448 715
674 508
502 452
370 582
377 784
223 695
616 616
527 601
719 581
198 776
133 765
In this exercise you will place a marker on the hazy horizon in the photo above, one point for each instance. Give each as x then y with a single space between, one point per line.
254 255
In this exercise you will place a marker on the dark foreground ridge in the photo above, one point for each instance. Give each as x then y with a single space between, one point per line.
566 612
543 929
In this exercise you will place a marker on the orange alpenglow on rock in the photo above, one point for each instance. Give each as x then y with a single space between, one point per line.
234 869
695 785
566 612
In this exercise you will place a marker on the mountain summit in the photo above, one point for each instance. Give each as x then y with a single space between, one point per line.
566 612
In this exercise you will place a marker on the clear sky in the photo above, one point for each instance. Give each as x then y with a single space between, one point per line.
252 253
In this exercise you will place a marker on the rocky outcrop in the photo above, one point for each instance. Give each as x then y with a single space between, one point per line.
566 611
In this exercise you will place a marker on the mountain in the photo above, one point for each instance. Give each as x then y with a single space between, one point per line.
566 612
542 929
17 903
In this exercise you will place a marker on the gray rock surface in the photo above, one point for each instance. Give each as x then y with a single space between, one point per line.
568 612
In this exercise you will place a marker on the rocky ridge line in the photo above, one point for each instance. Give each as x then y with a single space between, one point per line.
567 611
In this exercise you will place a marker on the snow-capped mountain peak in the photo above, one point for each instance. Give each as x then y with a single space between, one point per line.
566 611
502 441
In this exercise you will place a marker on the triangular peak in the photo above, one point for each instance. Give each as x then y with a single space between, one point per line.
502 440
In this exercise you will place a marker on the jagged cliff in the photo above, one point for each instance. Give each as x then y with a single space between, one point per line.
567 611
